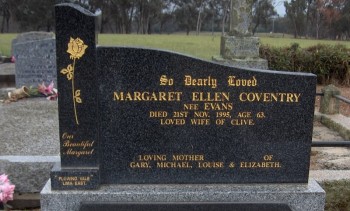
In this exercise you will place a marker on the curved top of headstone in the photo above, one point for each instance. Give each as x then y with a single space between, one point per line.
79 8
33 36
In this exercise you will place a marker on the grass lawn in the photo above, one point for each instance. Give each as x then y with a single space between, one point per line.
199 46
203 46
304 43
337 195
5 44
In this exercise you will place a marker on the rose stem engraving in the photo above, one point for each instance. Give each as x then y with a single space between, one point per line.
76 49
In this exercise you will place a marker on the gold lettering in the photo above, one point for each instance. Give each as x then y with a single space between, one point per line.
67 136
74 181
200 121
140 165
137 96
274 97
210 97
174 165
158 114
269 97
118 96
83 144
67 179
172 121
241 122
245 114
290 97
180 114
296 96
191 107
233 81
282 97
129 97
210 165
152 157
201 114
162 96
78 153
218 106
188 157
147 96
79 183
67 183
211 82
260 165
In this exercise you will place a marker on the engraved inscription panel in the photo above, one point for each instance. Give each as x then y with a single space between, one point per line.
168 118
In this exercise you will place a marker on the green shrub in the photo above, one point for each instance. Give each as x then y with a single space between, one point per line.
330 63
337 195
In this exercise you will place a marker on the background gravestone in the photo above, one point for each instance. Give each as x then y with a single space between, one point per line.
239 48
35 54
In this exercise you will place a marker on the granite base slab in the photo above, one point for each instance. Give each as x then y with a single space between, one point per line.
184 206
298 197
239 47
255 63
28 173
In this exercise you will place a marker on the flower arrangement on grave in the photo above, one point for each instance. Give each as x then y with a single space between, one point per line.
6 191
48 91
76 49
41 90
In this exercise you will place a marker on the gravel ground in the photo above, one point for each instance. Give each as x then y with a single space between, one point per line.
29 127
328 158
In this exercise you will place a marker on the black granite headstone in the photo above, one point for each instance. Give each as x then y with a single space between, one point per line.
132 115
77 84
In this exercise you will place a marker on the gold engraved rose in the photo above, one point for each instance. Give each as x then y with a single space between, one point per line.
76 49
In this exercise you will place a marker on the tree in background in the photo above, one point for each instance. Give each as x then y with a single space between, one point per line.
105 7
295 11
331 13
310 18
201 7
186 14
6 15
309 4
263 11
122 13
343 24
34 14
167 14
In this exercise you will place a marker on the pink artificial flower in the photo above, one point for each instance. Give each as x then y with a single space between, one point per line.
13 59
6 192
6 189
4 179
54 95
46 90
